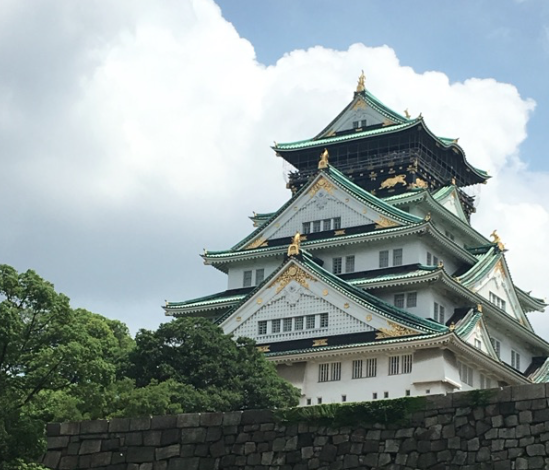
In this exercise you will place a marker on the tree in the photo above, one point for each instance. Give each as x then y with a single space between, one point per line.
231 375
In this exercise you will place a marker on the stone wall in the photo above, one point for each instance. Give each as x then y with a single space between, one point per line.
506 429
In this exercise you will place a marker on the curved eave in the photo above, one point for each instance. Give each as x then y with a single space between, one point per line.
175 308
529 303
483 266
541 374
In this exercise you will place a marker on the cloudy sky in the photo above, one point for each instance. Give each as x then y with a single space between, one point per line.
134 134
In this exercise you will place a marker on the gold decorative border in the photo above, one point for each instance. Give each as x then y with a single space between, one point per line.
393 331
292 273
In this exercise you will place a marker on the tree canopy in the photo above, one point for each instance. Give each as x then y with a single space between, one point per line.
58 363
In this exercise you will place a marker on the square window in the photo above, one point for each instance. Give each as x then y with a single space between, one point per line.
406 363
247 279
324 320
383 259
306 227
355 124
299 323
336 265
350 264
275 326
287 324
316 226
363 122
335 371
496 345
399 300
442 314
398 257
323 372
310 322
411 299
259 276
262 327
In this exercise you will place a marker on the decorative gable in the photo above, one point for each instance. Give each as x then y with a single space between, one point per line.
323 206
298 304
450 200
475 333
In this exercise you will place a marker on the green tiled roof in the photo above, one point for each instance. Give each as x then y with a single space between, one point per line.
213 299
421 271
541 374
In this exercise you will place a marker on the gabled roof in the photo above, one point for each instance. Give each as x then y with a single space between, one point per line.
465 327
216 301
450 194
338 179
306 262
537 372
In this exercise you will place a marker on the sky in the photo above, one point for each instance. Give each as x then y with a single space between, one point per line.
135 134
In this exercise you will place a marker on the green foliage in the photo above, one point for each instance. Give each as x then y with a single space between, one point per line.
335 414
480 397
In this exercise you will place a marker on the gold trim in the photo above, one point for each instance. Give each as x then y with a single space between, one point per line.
500 267
373 175
419 183
294 247
263 348
323 183
384 222
325 292
368 317
323 161
393 181
320 342
387 122
393 331
361 82
256 243
292 273
497 240
346 305
339 232
259 301
359 104
239 319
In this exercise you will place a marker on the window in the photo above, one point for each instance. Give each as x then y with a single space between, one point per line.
500 303
319 400
310 322
316 226
275 326
324 320
394 365
363 123
357 369
336 265
262 327
355 124
383 259
306 227
404 361
466 373
407 393
436 260
516 360
259 276
496 345
287 324
350 264
411 299
398 257
399 300
477 343
344 398
308 401
439 313
429 258
330 372
299 323
337 223
386 394
374 395
326 224
370 369
247 279
485 382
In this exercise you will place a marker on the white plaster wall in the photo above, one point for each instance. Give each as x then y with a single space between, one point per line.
501 287
509 343
236 271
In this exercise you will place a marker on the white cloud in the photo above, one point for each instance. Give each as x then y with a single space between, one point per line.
160 147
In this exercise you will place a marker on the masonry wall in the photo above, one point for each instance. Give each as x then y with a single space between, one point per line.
506 429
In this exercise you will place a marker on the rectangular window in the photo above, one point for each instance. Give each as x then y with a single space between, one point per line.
319 400
399 300
477 343
516 360
429 258
247 279
406 363
337 223
316 226
262 327
374 395
500 303
287 324
435 261
326 224
355 124
496 345
335 371
336 265
344 398
357 369
350 264
394 365
386 394
324 320
310 322
306 227
442 314
370 367
466 374
323 372
407 393
363 123
299 323
259 276
383 259
308 401
275 326
398 257
411 299
436 311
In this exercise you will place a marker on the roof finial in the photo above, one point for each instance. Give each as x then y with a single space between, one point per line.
453 181
407 115
361 82
497 240
294 247
452 326
323 162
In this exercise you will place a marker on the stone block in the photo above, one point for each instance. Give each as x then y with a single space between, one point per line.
218 449
163 422
53 429
214 433
94 427
193 435
133 439
164 453
232 418
110 444
140 454
535 449
187 420
119 425
68 462
510 443
525 417
152 438
191 463
90 446
528 392
69 429
328 452
51 459
140 424
101 459
540 416
170 436
510 421
59 442
257 417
